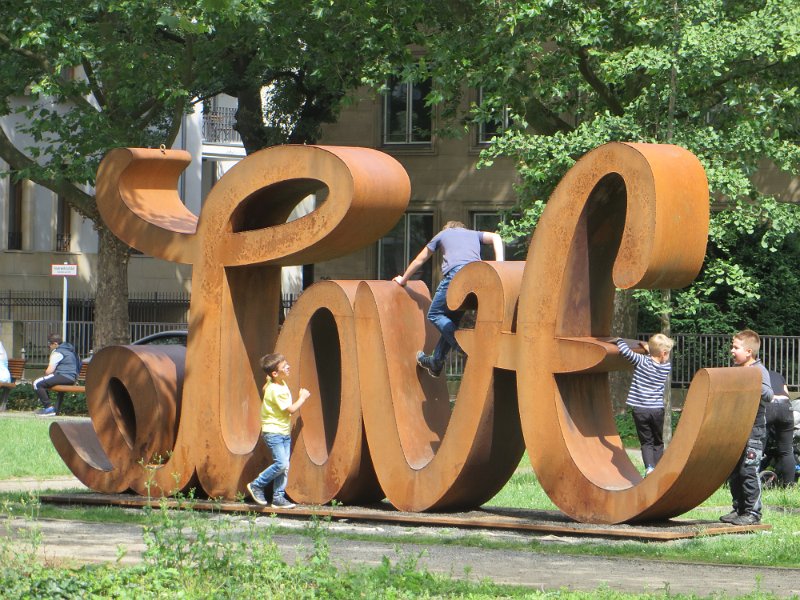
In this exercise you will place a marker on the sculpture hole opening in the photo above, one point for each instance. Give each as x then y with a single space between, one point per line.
275 204
122 410
323 423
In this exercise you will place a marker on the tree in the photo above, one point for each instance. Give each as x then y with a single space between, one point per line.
716 77
291 64
78 78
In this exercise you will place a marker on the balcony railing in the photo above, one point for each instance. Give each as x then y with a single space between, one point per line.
63 242
218 126
15 240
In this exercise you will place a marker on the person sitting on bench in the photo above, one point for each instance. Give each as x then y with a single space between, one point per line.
62 369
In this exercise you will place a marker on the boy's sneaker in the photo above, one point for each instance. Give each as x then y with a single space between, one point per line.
257 494
282 502
434 368
648 470
746 519
50 411
730 517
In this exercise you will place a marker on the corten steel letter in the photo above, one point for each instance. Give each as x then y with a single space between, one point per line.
425 457
626 215
330 458
133 394
236 248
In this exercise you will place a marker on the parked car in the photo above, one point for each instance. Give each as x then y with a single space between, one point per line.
176 336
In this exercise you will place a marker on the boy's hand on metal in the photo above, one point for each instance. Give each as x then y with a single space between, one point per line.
399 281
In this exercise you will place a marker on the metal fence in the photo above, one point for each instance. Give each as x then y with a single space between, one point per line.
80 332
40 314
695 351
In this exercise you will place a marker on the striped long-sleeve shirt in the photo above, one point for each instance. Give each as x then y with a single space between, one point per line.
649 378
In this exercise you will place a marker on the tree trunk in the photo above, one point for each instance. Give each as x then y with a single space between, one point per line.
623 324
111 320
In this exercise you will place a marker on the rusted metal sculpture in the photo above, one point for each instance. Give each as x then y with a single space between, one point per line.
626 215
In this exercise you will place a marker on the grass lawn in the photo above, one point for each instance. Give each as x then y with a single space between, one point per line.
26 448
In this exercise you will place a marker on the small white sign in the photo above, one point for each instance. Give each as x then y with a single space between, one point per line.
64 270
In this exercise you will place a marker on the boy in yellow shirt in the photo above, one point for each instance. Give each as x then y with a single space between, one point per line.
277 409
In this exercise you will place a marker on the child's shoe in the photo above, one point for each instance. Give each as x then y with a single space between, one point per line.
433 367
730 517
257 494
282 502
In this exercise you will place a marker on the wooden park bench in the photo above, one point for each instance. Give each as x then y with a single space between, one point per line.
16 366
79 387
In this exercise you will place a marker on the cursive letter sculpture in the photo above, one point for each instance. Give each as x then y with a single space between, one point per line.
626 215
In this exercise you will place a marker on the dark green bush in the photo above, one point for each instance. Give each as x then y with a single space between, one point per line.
23 398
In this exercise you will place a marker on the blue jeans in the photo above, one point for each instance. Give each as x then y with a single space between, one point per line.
278 471
446 321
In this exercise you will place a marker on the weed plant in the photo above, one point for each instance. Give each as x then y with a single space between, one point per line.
191 556
200 555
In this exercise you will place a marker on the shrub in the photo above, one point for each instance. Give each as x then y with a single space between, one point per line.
23 398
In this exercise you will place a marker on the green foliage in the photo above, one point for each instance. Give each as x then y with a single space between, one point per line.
755 293
94 76
91 76
717 78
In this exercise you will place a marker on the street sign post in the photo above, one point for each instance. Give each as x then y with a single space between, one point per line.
66 270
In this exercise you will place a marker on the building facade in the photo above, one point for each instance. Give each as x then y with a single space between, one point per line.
39 229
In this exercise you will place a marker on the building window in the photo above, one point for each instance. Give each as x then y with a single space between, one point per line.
406 119
403 243
496 123
490 221
63 226
14 213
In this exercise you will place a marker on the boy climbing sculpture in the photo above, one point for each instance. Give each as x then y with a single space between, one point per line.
460 246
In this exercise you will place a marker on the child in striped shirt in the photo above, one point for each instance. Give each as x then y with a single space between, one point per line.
646 396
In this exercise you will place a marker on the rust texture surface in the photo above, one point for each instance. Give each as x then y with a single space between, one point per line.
536 377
